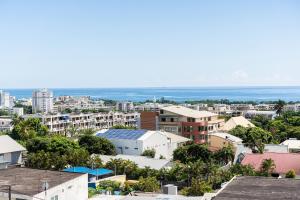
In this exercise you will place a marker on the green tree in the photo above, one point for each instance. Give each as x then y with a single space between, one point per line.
225 155
149 153
198 188
244 170
255 138
148 184
192 153
267 167
29 128
88 131
279 106
96 145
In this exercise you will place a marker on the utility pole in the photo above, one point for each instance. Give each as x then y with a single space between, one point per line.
9 192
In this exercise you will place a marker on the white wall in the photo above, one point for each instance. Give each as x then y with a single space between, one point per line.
159 143
76 189
155 140
129 147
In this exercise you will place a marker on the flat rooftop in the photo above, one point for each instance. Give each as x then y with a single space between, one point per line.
29 181
260 188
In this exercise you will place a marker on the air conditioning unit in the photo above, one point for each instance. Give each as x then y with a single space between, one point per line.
170 189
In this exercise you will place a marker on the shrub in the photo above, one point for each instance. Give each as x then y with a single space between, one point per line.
149 153
149 184
108 185
290 174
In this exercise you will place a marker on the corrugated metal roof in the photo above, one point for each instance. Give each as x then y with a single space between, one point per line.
141 161
86 170
8 145
283 161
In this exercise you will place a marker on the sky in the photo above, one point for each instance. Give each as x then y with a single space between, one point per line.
149 43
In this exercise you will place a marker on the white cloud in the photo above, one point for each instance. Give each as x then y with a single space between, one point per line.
240 75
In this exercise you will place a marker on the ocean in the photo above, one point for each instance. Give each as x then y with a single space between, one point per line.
288 93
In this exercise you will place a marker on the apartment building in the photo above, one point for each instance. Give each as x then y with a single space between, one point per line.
42 101
292 107
5 100
189 123
80 103
61 123
125 106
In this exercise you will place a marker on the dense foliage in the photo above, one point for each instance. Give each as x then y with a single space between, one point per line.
255 138
96 145
149 153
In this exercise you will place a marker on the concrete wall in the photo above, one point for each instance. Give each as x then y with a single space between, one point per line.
128 147
216 143
76 189
159 143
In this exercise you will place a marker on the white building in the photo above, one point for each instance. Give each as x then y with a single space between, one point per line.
4 99
135 142
292 107
249 114
5 123
125 106
33 184
293 145
60 123
10 152
42 101
18 111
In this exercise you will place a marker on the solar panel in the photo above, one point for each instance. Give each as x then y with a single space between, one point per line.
122 134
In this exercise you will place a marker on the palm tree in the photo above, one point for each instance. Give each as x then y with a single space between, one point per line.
267 166
73 130
279 106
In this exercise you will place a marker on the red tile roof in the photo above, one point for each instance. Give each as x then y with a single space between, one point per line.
283 161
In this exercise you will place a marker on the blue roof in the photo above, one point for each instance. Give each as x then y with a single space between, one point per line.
86 170
122 134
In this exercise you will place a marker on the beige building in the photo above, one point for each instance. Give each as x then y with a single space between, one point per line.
217 141
193 124
236 121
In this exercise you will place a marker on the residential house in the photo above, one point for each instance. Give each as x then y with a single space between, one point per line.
283 161
10 152
293 145
218 140
135 142
33 184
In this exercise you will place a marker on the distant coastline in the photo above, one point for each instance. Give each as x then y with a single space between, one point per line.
179 94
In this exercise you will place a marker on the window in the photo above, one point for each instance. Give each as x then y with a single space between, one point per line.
1 157
163 119
126 147
172 119
55 197
161 111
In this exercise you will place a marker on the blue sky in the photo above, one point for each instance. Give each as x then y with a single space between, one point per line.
148 43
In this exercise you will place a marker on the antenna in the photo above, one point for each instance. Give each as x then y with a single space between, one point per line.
45 186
